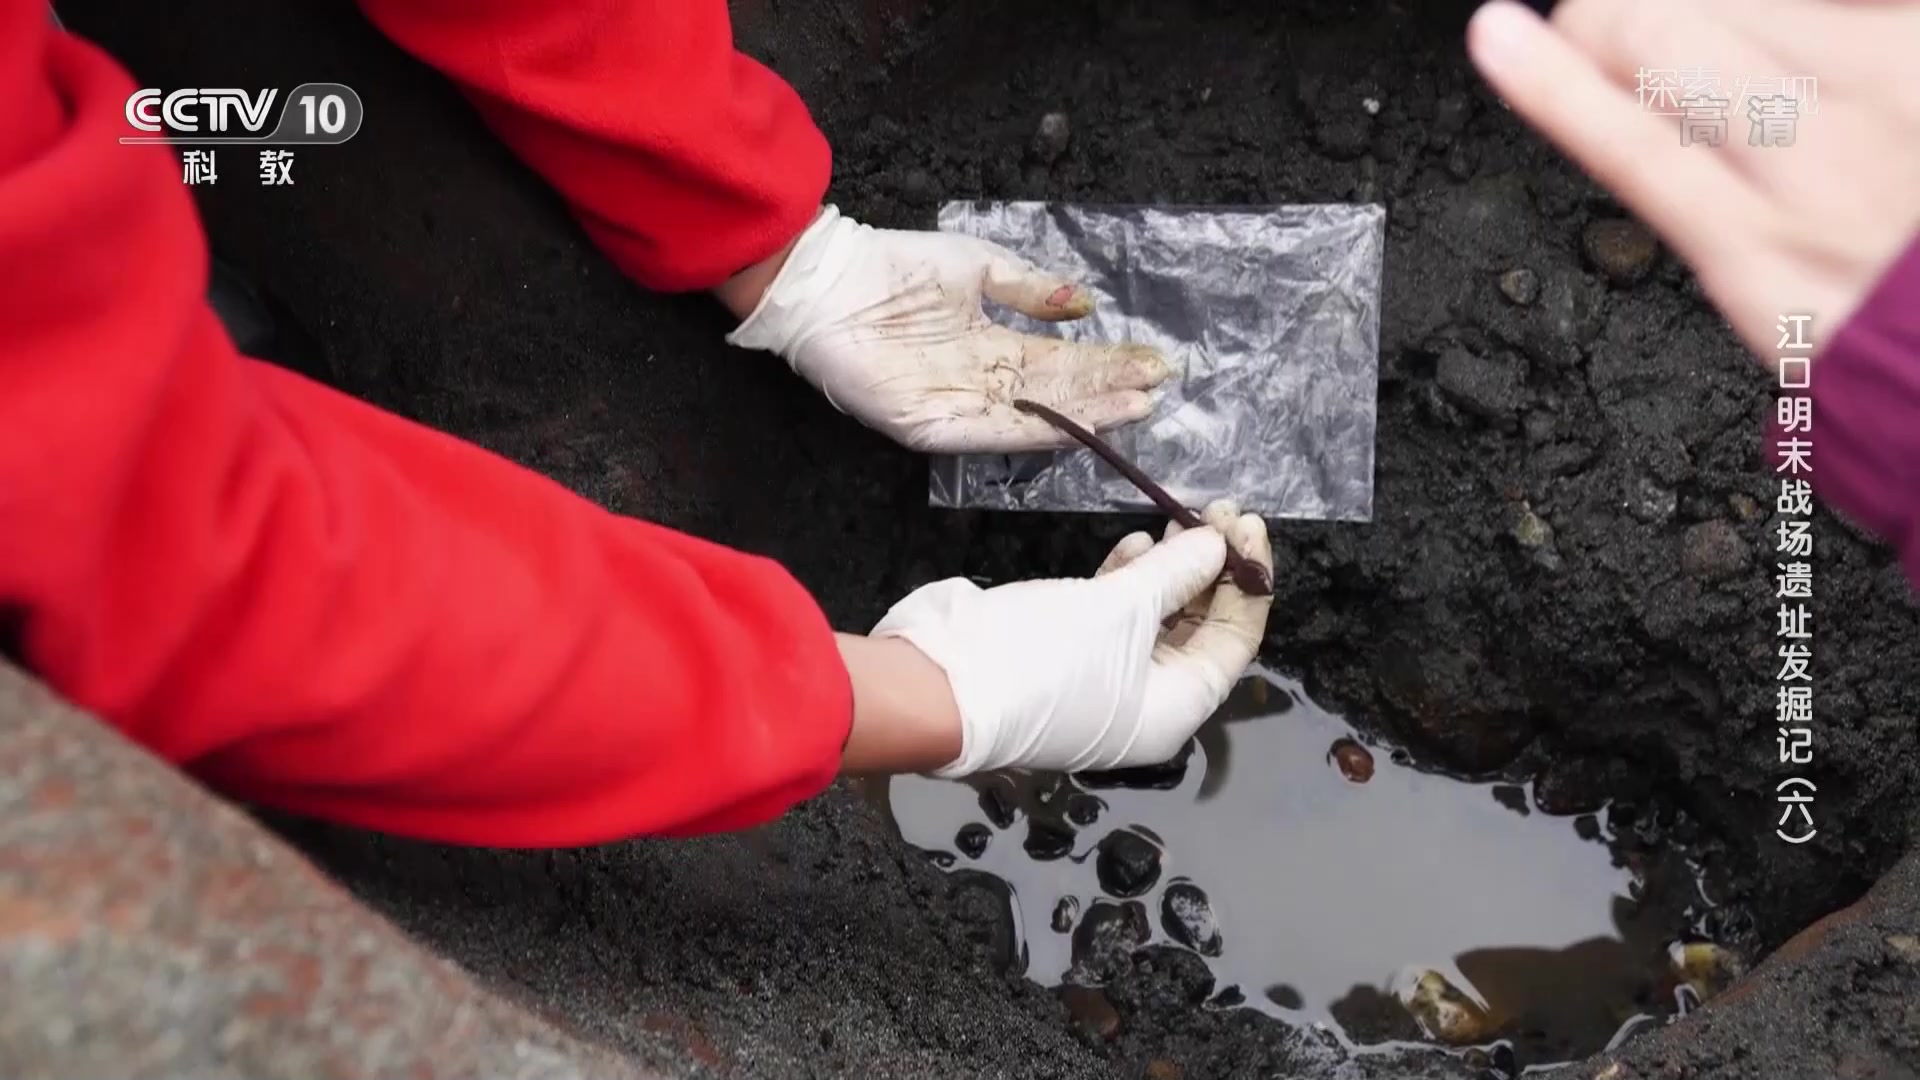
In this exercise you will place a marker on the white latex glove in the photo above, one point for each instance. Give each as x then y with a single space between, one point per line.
888 325
1095 673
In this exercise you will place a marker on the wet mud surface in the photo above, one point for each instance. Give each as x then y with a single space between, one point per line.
1567 581
1330 883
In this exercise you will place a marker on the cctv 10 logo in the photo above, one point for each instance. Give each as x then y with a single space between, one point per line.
314 114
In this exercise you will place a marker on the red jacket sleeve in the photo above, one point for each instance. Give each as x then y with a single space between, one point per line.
684 160
320 606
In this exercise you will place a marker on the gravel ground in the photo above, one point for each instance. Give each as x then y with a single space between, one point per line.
1569 567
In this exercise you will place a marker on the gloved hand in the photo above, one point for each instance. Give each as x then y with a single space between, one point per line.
1096 673
888 324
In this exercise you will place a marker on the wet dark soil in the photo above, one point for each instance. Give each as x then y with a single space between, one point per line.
1567 577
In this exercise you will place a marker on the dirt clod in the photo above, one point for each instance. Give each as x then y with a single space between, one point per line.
1647 501
1713 550
1050 141
1188 918
1105 940
1450 114
1486 388
1571 786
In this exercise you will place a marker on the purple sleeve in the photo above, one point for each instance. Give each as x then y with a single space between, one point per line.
1865 434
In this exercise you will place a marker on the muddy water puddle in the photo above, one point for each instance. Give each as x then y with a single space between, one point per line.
1327 880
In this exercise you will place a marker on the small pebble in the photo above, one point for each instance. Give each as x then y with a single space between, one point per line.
1704 967
1083 810
1649 502
1128 864
1064 913
972 839
1162 1069
1513 798
1620 248
1286 997
1187 916
1531 531
1050 141
1229 998
1047 841
998 807
1746 507
1521 285
1354 761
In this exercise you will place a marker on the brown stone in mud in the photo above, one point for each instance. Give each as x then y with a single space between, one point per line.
1353 760
1620 248
1090 1009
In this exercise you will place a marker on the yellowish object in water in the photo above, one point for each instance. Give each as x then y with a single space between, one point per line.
1447 1014
1704 967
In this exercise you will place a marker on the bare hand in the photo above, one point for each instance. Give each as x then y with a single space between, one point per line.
1771 230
